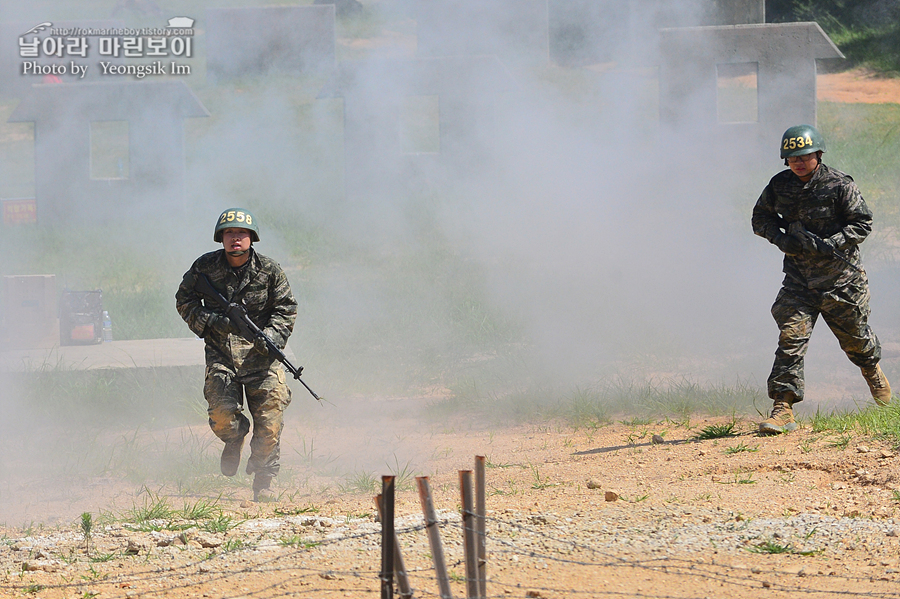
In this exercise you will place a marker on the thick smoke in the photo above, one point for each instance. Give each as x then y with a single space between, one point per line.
562 237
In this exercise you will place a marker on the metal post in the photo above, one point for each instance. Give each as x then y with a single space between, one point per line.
468 518
434 536
480 526
387 537
399 566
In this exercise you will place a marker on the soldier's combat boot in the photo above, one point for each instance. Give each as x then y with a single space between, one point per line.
781 419
231 457
262 491
878 384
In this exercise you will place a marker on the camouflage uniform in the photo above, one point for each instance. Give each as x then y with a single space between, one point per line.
831 206
234 367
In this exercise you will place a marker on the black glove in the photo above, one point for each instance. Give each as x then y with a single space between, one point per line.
788 244
811 242
222 323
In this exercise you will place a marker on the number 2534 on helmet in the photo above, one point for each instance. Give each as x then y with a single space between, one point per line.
800 140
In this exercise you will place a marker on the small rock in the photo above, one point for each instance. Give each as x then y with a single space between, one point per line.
208 541
862 449
247 504
767 584
42 565
611 496
657 440
138 545
328 575
884 453
593 484
534 595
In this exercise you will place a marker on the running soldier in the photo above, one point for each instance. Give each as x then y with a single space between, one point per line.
816 215
237 367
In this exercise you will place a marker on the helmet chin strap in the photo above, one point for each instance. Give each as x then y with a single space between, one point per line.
238 254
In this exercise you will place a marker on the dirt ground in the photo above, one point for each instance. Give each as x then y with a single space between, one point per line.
594 512
858 86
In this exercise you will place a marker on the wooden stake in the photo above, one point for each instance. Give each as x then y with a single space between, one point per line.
468 518
387 537
399 566
434 536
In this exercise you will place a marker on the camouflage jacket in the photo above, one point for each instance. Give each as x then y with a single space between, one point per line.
829 205
264 290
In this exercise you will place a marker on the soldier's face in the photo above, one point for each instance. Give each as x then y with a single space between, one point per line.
804 166
236 240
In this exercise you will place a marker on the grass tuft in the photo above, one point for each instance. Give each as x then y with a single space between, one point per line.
717 431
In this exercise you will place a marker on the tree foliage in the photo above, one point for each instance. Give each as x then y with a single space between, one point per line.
867 31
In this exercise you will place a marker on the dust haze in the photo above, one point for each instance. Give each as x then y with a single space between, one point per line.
564 240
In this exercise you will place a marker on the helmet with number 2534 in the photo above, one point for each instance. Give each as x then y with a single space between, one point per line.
800 140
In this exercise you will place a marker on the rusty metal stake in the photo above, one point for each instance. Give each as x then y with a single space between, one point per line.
468 518
434 536
399 566
480 526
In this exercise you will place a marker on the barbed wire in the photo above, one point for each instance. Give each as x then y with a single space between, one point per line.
303 579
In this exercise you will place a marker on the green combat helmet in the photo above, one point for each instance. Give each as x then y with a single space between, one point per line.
236 218
800 140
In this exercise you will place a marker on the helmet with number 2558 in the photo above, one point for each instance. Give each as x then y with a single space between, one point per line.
800 140
236 218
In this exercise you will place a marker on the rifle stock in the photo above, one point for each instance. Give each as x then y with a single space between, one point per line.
237 313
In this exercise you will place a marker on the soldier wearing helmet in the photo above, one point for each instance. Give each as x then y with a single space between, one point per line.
236 367
816 215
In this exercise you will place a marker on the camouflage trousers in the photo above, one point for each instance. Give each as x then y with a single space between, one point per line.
267 397
845 311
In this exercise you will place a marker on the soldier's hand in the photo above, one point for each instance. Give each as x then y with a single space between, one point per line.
222 323
825 246
806 239
261 346
788 244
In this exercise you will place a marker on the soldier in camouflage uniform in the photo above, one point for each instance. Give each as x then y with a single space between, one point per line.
816 215
235 366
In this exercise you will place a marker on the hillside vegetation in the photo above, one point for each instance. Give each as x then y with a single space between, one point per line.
867 31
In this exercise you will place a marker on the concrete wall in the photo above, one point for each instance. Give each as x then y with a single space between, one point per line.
785 57
62 116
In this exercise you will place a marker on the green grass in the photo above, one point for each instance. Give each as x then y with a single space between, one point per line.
360 481
298 542
675 399
876 48
741 448
877 422
155 513
717 431
864 140
771 547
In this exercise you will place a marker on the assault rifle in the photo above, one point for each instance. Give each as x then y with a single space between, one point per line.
821 246
237 313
